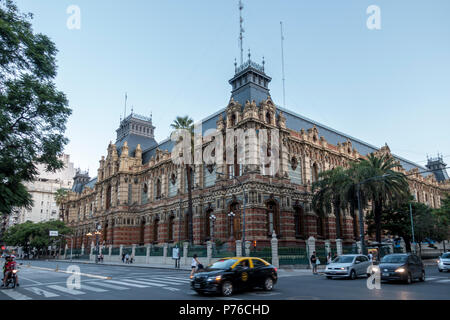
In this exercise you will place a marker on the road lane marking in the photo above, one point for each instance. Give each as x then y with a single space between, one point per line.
110 286
430 278
127 284
42 292
15 295
66 290
89 288
37 282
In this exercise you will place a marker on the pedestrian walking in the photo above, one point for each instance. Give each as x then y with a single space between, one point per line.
194 264
370 256
123 257
329 258
131 258
314 263
127 258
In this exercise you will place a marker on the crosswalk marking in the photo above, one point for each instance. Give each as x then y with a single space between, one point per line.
443 281
165 282
15 295
66 290
127 284
177 279
110 286
94 289
42 292
147 282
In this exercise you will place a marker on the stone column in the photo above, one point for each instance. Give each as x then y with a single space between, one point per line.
327 247
359 246
133 250
110 250
147 253
238 248
247 248
165 247
209 251
120 251
311 246
339 246
82 248
274 245
185 252
65 251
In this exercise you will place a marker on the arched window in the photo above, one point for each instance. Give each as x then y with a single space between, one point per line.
170 228
299 221
269 117
208 225
233 120
142 232
108 197
315 172
320 225
158 189
155 230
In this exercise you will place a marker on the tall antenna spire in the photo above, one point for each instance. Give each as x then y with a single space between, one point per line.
241 30
282 64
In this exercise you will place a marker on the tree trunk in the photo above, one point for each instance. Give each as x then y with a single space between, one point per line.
407 240
377 217
190 215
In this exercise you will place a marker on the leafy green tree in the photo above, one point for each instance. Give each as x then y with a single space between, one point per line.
329 191
380 184
34 235
33 113
60 195
186 123
443 218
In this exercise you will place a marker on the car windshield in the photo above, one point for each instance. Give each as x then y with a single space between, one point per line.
344 259
222 264
446 256
394 259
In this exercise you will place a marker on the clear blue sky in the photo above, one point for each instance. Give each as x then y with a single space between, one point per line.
175 57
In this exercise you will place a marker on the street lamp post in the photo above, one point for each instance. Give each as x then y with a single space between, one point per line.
231 215
212 218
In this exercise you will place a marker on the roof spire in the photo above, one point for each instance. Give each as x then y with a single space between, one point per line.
241 30
249 55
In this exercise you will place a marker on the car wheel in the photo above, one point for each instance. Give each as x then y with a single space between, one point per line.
353 275
227 288
422 277
268 284
440 270
409 278
329 277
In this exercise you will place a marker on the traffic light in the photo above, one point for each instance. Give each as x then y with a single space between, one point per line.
3 248
254 243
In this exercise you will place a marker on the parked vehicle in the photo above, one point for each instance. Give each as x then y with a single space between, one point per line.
444 262
348 266
229 275
402 266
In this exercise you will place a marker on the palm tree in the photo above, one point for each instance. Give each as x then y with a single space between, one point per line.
60 195
331 193
380 184
187 123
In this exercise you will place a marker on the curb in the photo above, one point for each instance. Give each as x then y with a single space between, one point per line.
124 265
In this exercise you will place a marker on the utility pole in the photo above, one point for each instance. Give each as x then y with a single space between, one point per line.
361 219
412 226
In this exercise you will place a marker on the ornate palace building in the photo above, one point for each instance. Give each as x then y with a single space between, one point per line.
140 196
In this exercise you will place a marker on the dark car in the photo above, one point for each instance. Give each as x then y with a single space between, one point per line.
235 274
402 266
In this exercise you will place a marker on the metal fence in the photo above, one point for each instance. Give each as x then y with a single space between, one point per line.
140 251
321 253
350 249
126 250
263 253
157 251
105 251
223 251
293 255
115 251
200 251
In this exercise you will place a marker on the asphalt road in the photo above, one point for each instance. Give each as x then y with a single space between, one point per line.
133 283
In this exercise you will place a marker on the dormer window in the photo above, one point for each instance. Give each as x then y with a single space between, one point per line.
233 119
268 117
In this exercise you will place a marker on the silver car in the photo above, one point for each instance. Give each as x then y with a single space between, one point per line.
348 266
444 262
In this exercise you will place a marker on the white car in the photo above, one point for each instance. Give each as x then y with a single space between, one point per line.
348 266
444 262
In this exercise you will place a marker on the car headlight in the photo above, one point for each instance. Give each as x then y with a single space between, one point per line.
216 278
346 268
400 270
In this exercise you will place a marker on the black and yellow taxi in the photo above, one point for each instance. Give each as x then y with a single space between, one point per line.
229 275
